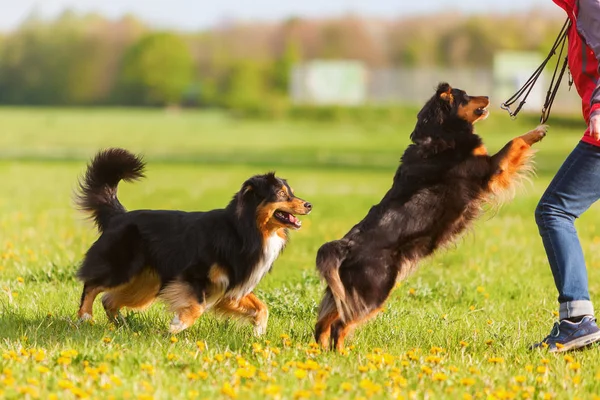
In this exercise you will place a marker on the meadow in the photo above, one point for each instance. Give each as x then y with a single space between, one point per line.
458 328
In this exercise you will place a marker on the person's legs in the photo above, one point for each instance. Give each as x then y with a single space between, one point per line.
573 190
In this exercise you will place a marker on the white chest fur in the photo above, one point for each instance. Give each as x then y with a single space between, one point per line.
271 249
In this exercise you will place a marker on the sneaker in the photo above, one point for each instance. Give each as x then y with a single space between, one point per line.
567 335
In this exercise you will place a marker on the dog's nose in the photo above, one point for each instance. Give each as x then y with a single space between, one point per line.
308 206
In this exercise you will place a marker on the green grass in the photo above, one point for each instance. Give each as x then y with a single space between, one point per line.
459 326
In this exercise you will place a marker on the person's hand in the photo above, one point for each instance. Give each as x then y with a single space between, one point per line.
595 126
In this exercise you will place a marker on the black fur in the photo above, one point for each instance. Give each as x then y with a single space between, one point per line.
175 245
437 191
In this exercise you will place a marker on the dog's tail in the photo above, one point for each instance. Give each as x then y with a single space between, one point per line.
329 259
97 194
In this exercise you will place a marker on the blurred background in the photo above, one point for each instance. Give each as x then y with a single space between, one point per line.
271 58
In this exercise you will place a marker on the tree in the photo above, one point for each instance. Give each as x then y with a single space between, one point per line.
155 71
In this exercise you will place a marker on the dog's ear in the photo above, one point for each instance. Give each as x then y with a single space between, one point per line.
444 92
271 178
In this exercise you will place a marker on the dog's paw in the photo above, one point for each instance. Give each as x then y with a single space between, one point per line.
85 317
177 325
260 329
535 135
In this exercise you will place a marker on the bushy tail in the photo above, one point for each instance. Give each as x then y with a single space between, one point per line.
329 259
97 194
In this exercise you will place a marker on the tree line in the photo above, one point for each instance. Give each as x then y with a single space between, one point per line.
91 60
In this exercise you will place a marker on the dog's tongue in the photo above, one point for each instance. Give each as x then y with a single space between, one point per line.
293 219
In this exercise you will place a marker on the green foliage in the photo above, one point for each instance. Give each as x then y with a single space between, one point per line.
156 71
88 59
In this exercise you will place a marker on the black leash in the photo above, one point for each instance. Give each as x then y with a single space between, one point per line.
524 91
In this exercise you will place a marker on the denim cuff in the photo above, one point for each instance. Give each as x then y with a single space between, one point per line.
575 308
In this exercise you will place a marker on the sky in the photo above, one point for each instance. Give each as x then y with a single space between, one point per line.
197 14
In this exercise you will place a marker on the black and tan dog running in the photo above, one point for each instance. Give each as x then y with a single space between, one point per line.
193 261
444 178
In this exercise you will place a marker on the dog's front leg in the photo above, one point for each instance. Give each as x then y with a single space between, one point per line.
513 160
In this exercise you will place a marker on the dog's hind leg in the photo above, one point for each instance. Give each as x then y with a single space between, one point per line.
328 313
89 294
182 299
137 294
249 308
341 329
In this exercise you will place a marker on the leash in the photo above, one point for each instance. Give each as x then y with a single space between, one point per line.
524 91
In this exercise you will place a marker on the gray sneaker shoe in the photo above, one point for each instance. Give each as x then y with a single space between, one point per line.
568 335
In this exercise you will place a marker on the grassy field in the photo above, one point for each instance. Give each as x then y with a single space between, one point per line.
458 328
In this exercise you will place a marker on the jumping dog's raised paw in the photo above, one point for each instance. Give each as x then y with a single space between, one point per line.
535 135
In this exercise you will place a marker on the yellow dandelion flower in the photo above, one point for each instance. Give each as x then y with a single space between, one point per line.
272 390
489 322
495 360
545 361
202 374
412 292
219 357
568 358
172 357
192 394
346 386
574 366
463 343
201 345
145 396
541 369
302 394
106 340
246 372
20 279
363 368
480 289
489 342
520 379
555 313
42 369
147 368
529 368
427 370
228 391
116 380
65 384
474 371
577 379
319 387
300 373
471 308
63 361
467 381
69 353
79 393
439 377
174 339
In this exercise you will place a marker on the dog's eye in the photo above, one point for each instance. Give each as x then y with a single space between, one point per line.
282 194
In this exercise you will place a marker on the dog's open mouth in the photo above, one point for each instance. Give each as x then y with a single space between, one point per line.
288 219
481 111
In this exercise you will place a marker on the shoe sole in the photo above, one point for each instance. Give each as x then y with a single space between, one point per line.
577 344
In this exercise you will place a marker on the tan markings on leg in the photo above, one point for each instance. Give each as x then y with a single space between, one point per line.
480 151
249 308
138 293
86 309
349 327
517 165
182 300
323 328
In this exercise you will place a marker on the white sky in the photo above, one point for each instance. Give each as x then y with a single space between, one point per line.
194 14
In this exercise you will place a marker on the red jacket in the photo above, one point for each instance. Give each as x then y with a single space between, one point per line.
584 38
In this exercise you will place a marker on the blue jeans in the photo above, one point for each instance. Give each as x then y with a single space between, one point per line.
573 190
